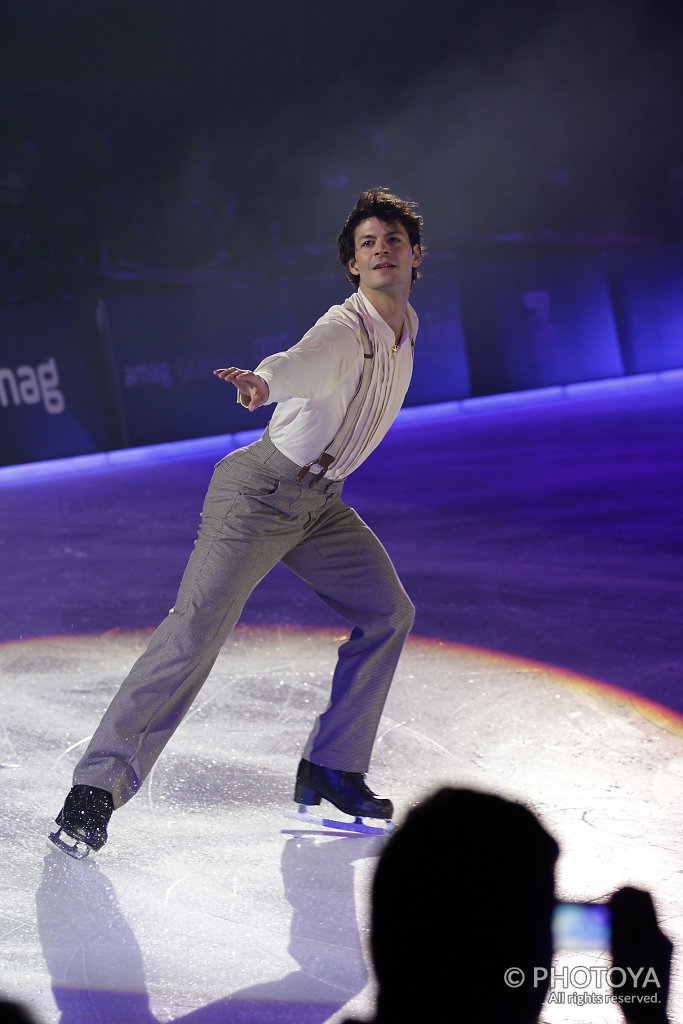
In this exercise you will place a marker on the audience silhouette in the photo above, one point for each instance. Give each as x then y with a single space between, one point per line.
463 894
14 1013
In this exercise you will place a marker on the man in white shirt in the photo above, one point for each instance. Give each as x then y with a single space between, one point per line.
337 392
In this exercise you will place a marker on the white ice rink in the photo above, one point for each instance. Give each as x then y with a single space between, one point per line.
209 905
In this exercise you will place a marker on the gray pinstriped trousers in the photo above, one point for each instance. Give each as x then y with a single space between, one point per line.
254 516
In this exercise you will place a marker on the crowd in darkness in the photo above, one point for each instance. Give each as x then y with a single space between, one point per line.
98 188
85 208
182 136
64 228
100 211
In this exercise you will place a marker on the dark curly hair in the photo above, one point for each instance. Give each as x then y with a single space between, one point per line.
380 203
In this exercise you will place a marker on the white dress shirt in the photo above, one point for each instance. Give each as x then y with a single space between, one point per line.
314 381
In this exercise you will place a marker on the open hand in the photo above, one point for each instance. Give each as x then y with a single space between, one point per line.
253 389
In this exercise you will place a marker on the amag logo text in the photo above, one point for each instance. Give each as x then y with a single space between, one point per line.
29 386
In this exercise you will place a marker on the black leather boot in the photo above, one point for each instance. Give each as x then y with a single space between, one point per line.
346 790
84 818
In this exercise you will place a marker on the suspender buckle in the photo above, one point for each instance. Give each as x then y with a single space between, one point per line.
324 460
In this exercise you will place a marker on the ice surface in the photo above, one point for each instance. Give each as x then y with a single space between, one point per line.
549 532
209 904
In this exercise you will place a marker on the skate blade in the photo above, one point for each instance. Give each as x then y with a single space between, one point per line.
79 850
359 825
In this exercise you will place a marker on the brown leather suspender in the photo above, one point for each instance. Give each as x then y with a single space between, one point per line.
332 450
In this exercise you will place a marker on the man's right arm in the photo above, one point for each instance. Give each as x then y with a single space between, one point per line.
321 362
316 366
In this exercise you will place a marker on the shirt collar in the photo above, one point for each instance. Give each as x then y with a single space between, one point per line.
380 327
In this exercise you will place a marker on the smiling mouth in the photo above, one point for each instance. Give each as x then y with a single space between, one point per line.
384 266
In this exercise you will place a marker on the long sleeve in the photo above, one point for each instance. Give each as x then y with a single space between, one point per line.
324 360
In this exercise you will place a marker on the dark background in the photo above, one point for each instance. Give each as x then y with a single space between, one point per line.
173 176
216 135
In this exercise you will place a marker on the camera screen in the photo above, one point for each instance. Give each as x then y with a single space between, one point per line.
581 926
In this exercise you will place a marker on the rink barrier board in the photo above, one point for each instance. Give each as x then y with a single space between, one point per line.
80 376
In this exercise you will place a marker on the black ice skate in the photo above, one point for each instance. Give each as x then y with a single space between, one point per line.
349 794
84 820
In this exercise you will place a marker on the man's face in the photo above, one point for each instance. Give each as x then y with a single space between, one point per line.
383 258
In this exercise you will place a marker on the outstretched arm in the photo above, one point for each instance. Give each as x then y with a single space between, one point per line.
252 388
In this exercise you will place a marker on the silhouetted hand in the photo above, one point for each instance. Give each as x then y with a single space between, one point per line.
643 953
